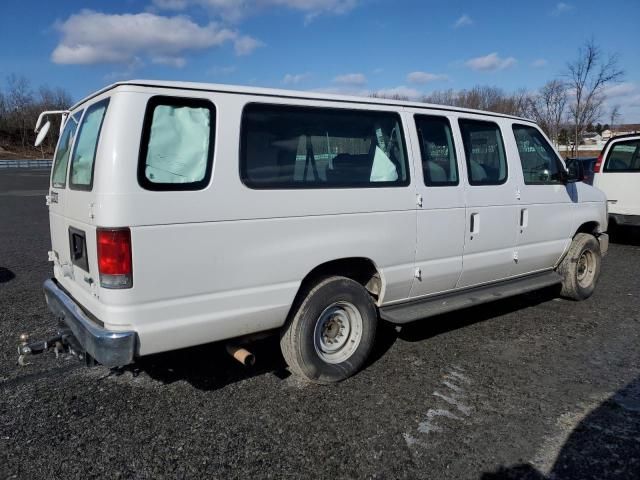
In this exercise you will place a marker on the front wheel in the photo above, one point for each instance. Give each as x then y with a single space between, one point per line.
580 268
332 331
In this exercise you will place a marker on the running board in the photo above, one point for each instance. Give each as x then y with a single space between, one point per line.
428 307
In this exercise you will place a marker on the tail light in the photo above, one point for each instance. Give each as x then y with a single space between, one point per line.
598 165
114 257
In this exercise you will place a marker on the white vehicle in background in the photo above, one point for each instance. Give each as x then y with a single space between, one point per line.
185 213
617 174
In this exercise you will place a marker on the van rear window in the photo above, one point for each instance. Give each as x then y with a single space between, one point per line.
624 157
298 147
84 153
59 175
176 151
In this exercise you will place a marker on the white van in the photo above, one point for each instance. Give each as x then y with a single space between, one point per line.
617 174
185 213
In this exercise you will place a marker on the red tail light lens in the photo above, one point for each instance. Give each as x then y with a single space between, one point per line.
114 257
598 165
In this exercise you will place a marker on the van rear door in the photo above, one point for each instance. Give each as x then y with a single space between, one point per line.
57 194
75 236
620 177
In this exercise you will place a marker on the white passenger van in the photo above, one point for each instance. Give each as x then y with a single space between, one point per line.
617 174
185 213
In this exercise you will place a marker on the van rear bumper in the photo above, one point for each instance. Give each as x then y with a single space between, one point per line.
111 349
620 219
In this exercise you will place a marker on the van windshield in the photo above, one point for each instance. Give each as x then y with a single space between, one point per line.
59 176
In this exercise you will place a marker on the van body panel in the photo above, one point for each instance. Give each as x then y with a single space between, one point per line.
546 215
491 220
228 260
440 220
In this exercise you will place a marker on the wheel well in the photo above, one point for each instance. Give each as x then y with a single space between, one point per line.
359 269
592 228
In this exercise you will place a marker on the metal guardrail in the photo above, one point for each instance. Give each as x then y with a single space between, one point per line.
39 164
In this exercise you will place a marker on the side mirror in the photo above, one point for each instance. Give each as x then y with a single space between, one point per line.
42 133
574 172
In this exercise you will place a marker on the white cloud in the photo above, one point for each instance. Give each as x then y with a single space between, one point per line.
539 63
401 91
463 21
294 79
92 37
560 8
621 90
244 45
490 63
176 62
424 77
235 10
351 79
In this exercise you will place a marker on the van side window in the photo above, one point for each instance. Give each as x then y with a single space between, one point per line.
439 162
59 176
484 149
300 147
84 153
176 151
624 157
540 164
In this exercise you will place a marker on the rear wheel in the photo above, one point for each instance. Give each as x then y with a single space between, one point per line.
331 332
580 268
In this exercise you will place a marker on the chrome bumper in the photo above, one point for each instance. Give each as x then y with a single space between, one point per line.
112 349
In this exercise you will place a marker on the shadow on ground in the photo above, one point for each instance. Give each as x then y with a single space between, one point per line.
605 445
6 275
210 367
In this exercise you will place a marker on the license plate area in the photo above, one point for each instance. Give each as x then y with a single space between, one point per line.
78 249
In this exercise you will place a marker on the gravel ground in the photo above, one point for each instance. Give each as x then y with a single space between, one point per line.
530 387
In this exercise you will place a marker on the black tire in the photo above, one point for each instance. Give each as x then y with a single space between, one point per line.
580 268
303 337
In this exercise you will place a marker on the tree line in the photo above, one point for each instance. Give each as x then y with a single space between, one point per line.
565 107
20 106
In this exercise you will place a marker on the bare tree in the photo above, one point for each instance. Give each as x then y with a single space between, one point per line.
548 107
614 116
492 99
19 102
588 75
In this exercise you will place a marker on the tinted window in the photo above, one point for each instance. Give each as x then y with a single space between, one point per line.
177 144
292 147
438 151
84 153
540 164
484 149
59 176
624 157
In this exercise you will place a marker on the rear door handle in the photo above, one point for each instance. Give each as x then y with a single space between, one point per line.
474 223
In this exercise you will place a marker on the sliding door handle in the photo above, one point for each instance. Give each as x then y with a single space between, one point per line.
524 217
474 223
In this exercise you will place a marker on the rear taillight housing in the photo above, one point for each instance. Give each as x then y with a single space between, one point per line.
598 164
114 257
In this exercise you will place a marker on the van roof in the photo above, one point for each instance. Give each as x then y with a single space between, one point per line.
274 92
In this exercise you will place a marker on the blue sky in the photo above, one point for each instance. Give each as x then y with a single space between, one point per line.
347 46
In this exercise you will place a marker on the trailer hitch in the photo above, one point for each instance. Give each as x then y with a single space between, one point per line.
63 342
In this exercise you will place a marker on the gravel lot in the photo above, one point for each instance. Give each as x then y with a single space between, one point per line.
531 387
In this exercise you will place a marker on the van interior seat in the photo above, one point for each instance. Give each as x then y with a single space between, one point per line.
348 168
478 172
435 172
